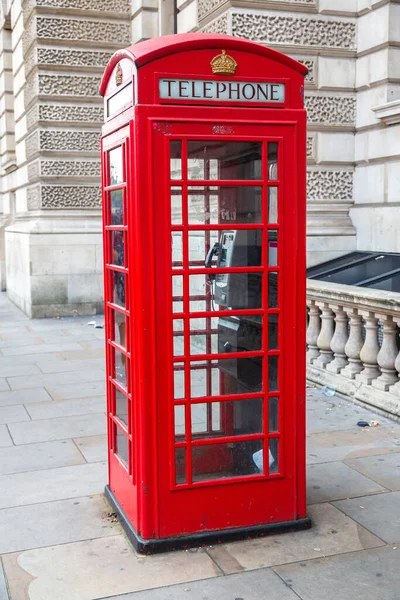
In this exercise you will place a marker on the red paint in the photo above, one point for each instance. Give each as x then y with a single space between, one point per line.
155 504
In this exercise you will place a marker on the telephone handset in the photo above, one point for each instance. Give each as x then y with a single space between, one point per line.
236 248
214 251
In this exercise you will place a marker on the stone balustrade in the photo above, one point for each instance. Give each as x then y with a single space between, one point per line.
353 342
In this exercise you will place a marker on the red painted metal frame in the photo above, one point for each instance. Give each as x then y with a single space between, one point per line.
153 503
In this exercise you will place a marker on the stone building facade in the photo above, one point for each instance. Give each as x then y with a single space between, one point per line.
52 54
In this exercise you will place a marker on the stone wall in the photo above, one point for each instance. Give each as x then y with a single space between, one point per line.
324 37
53 246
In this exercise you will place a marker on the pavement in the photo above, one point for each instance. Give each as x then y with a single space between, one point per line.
60 541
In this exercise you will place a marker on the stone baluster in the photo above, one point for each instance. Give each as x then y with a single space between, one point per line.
369 351
339 341
313 329
354 345
325 336
387 355
395 389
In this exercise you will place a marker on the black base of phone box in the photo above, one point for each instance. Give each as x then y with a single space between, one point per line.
206 538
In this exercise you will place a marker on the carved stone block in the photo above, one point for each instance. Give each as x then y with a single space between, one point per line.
329 185
70 168
219 25
33 197
33 171
32 144
331 110
72 58
274 29
114 33
69 85
70 196
207 6
311 147
70 113
310 64
119 6
70 141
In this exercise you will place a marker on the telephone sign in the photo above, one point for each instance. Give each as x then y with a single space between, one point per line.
203 179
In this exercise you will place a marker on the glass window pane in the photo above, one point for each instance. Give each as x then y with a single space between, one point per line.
273 205
220 461
178 333
177 293
226 419
117 248
180 465
119 287
273 161
116 166
121 367
176 205
273 301
224 204
121 445
272 373
121 406
203 336
117 208
273 423
272 248
227 290
232 248
175 148
226 377
224 160
179 381
119 328
273 332
179 413
177 249
273 455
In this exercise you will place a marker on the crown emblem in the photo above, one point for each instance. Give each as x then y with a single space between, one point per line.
118 74
223 64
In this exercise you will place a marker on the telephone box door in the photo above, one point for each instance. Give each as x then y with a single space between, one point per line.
225 247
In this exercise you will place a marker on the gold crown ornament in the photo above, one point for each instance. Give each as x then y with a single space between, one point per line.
223 64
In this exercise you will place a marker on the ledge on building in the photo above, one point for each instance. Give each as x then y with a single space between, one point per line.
388 113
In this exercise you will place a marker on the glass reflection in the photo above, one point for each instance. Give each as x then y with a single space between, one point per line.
119 328
175 148
117 248
119 288
224 160
220 461
116 166
224 204
229 418
117 209
273 161
180 465
121 368
121 406
121 445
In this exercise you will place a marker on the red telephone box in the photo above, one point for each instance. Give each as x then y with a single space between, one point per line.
204 176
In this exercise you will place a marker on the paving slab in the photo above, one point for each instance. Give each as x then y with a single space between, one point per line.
54 380
79 390
358 442
336 481
52 523
370 575
15 341
5 438
25 396
11 370
62 428
263 584
108 566
3 586
3 384
13 414
20 489
66 408
331 533
41 348
94 448
70 365
33 457
379 514
385 470
82 354
27 359
333 414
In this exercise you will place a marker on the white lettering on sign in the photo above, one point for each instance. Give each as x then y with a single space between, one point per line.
222 91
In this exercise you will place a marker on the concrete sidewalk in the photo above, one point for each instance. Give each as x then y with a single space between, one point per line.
59 540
